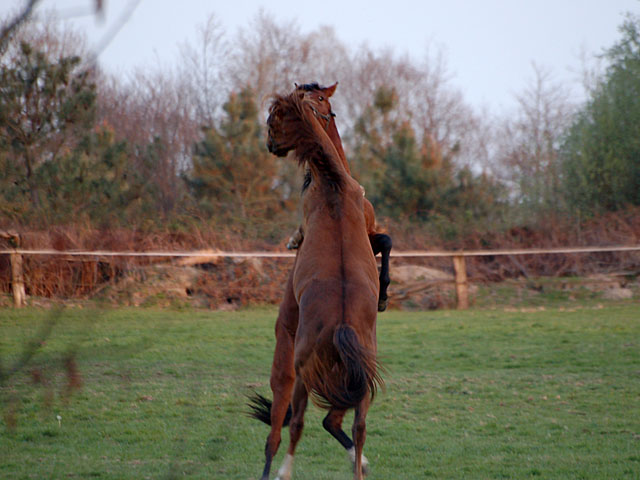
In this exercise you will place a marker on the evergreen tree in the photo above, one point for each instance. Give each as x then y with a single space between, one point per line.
97 182
407 178
233 176
401 174
601 152
45 107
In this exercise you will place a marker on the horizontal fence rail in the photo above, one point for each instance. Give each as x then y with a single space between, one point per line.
406 254
458 257
199 253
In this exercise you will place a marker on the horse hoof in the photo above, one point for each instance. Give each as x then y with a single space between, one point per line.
365 470
365 461
382 305
292 244
365 466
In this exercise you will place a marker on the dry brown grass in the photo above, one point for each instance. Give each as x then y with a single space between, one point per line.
229 282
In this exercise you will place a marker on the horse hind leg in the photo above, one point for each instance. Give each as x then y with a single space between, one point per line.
359 436
299 405
282 378
381 243
278 413
332 423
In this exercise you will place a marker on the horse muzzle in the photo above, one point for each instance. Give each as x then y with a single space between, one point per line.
275 149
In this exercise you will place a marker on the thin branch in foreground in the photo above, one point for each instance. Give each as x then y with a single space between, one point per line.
13 25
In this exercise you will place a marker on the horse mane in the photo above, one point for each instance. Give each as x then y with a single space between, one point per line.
309 87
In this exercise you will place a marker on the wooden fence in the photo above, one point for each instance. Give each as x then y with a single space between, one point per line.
458 258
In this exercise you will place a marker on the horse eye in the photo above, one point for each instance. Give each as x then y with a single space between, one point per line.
321 98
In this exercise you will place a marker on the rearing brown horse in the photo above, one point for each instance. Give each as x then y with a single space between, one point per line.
326 336
280 145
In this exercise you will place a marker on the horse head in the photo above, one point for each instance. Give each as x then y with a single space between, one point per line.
281 123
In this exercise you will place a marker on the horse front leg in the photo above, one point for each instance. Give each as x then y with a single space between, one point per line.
381 243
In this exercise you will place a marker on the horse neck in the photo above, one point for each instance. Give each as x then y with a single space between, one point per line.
332 131
318 149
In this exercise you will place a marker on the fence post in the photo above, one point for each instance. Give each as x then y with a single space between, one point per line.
462 287
17 275
17 280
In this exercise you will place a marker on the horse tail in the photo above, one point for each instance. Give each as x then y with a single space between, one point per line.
261 409
360 364
351 378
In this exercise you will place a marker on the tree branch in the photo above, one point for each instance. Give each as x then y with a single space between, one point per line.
6 32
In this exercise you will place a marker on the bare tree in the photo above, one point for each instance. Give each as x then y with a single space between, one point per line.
440 112
369 71
22 16
425 97
271 57
152 113
204 69
267 55
47 35
528 142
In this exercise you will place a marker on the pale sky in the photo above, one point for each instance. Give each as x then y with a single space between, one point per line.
489 45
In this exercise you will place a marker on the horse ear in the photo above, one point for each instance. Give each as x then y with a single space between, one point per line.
328 91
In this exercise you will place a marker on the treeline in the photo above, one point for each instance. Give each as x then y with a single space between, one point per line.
181 147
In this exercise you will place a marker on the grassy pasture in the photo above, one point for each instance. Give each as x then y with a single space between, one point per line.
551 394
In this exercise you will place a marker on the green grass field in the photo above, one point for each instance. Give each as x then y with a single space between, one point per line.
551 394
